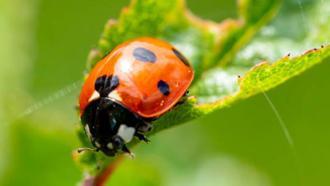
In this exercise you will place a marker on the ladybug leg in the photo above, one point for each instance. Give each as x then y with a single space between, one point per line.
126 150
142 137
144 127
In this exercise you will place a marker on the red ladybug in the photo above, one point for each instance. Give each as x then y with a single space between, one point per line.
136 83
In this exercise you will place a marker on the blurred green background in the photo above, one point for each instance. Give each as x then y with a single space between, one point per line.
43 49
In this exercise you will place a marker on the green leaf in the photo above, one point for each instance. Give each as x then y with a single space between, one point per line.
171 21
234 34
211 48
265 76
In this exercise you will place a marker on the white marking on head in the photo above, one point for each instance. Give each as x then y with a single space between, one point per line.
114 95
88 132
110 146
126 133
94 96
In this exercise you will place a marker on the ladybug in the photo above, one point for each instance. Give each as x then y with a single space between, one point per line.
134 84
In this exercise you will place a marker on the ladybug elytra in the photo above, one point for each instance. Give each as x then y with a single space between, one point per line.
134 84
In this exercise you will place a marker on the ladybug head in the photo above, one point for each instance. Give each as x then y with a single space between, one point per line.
113 146
110 125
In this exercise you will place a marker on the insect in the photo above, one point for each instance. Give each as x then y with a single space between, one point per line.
133 85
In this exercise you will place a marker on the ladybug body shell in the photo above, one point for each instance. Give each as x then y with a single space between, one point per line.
150 76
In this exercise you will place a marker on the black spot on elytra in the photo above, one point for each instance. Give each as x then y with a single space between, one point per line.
144 55
99 83
181 57
105 84
114 82
163 87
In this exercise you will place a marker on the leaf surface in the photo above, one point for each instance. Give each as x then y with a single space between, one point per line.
211 48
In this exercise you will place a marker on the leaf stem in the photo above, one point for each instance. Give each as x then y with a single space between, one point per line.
101 179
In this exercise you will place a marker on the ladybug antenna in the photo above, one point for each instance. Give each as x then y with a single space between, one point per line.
83 149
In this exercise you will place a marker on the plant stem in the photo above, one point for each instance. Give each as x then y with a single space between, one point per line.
101 179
